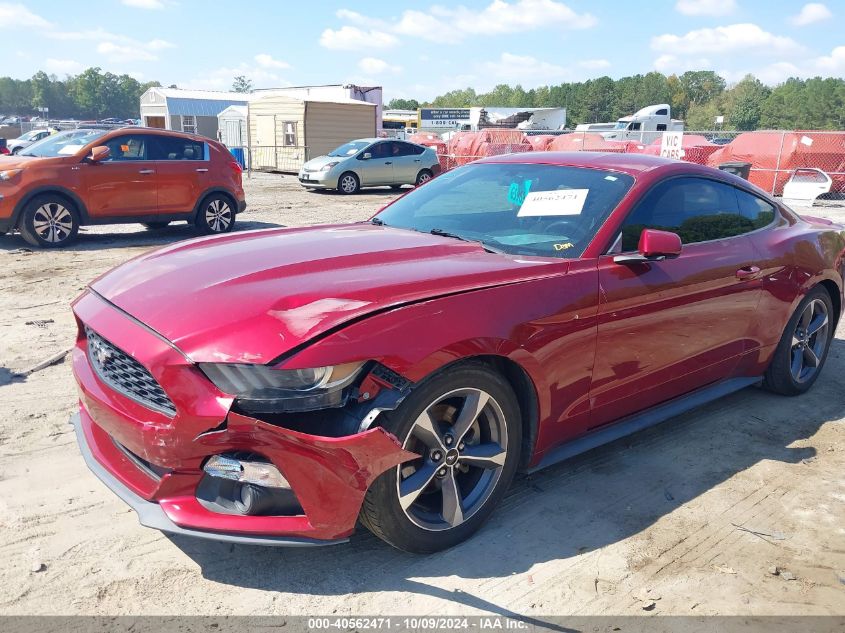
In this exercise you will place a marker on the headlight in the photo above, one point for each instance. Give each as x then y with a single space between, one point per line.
263 389
328 166
9 174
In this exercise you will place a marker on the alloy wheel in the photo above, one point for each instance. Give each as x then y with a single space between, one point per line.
809 341
348 184
463 442
218 215
52 222
423 178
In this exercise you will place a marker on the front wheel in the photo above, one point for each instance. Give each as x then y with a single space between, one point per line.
216 215
802 351
49 221
348 183
465 425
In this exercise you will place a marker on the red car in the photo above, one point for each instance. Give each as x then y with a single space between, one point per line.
275 387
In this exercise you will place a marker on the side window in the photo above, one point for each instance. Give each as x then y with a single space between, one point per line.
662 111
661 127
698 210
379 150
128 147
402 149
635 126
175 148
755 209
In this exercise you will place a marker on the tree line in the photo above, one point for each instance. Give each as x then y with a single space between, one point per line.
698 97
92 94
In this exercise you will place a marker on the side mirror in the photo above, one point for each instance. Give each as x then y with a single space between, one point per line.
654 246
366 156
100 153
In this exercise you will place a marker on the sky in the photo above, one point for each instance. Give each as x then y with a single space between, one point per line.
420 49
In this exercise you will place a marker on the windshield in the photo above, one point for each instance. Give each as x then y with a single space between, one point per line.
63 143
621 125
349 149
30 135
522 209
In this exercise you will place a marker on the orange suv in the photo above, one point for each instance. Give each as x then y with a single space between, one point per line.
144 175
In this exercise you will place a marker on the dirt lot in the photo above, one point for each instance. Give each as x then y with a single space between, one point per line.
688 517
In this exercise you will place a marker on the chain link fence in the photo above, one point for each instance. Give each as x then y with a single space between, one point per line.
769 158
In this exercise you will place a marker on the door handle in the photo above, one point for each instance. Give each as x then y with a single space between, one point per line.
202 169
747 272
416 160
387 162
146 171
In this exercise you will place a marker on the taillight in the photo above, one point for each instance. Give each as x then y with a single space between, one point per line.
236 166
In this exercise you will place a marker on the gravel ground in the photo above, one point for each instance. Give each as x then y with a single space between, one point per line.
690 517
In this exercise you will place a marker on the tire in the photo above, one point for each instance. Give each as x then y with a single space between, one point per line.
428 519
49 221
802 350
154 226
216 215
348 183
423 177
15 151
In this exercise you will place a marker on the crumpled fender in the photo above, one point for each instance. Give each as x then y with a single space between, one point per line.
329 475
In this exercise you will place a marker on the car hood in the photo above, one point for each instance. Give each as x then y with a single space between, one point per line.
317 163
252 296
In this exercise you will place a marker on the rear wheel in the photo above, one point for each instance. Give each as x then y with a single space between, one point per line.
154 226
465 425
348 183
803 348
15 151
423 177
216 215
49 221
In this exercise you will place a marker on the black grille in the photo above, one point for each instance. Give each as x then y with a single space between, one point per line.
126 375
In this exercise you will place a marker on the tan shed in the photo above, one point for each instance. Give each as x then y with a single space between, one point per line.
285 132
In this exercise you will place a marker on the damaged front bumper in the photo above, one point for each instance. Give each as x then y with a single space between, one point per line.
155 462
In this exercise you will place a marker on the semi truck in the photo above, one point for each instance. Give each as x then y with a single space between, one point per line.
645 125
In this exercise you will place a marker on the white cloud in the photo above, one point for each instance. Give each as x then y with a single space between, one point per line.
810 13
594 64
523 69
266 61
375 66
159 45
833 64
724 40
120 53
452 24
144 4
13 15
668 64
350 38
62 66
706 7
222 78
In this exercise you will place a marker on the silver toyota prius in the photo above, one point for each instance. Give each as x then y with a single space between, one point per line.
371 162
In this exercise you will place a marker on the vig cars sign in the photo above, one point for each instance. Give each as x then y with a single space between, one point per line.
672 145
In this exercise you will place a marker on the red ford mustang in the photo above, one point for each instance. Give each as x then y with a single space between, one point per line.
274 387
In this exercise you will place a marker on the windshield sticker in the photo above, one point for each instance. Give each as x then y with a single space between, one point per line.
70 149
611 178
558 202
517 192
564 247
